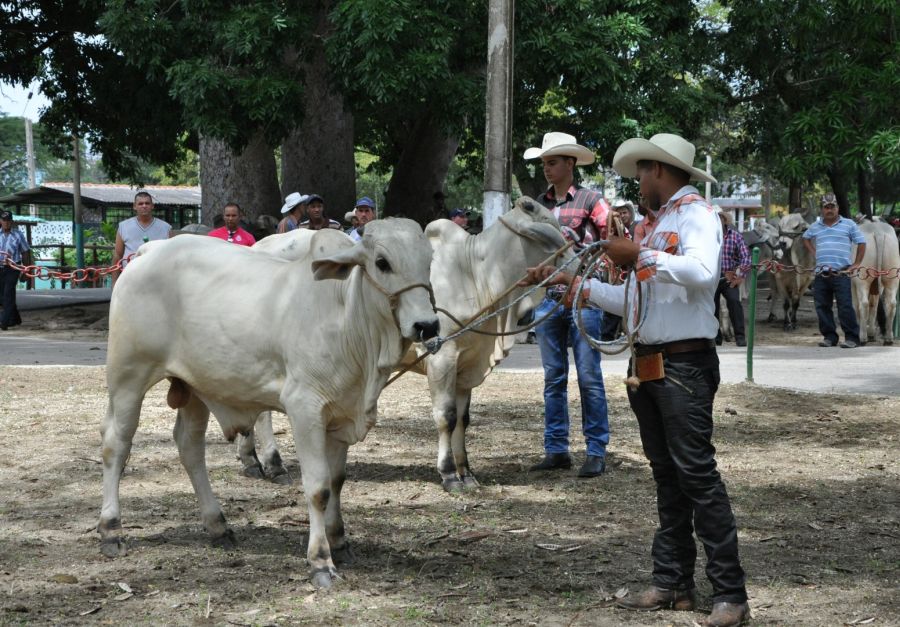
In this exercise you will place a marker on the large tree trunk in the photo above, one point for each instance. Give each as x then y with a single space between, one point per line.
249 179
864 189
838 180
420 171
795 197
529 185
318 157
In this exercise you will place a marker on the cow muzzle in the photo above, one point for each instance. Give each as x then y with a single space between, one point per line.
426 330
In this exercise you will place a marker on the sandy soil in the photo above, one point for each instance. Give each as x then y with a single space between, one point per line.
813 479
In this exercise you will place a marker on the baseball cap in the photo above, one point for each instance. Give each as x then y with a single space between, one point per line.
365 201
829 199
313 198
6 215
455 213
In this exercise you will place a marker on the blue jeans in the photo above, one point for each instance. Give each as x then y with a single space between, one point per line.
826 289
555 335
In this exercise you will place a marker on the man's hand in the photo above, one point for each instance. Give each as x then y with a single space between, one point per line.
735 281
622 251
853 267
539 274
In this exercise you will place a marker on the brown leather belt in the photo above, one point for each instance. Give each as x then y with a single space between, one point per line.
674 348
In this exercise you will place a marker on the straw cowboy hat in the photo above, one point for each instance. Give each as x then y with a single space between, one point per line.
561 144
292 200
663 147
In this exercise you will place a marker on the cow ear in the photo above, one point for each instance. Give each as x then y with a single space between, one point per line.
339 264
548 236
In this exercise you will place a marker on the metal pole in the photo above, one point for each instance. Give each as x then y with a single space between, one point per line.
708 184
29 157
897 317
498 133
76 199
751 323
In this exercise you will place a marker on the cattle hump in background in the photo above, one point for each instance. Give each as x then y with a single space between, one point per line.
171 314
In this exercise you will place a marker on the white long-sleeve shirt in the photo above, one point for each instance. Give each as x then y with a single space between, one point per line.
679 263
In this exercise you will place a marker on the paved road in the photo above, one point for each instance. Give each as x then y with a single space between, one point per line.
868 370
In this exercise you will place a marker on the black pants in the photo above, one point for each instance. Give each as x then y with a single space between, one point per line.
675 419
9 277
735 309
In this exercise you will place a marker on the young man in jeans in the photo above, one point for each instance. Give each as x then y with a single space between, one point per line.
583 214
830 239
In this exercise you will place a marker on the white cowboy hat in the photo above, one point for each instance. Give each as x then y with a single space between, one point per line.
292 200
561 144
663 147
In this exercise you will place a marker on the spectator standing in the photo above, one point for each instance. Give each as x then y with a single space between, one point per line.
625 210
583 214
830 239
644 226
232 231
293 209
735 265
609 328
351 219
143 227
460 217
14 248
675 360
365 213
316 219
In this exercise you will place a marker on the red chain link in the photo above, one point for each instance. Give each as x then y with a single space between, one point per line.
79 275
861 272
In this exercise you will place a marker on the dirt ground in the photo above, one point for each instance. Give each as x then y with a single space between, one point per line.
813 480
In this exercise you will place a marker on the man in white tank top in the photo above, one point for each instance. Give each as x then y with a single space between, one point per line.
143 227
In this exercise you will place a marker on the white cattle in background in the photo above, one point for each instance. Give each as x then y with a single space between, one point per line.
793 285
882 253
230 328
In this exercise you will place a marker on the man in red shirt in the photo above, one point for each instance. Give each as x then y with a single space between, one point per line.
232 231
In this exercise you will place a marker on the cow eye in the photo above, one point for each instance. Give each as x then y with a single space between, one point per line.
382 264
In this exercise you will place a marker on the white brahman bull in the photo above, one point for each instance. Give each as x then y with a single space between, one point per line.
793 285
173 315
467 273
882 253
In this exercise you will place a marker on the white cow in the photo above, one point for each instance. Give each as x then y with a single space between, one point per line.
793 285
173 315
468 272
882 253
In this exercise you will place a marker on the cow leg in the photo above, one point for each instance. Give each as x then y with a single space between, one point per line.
190 436
442 384
458 441
310 440
268 450
787 314
336 452
122 417
246 447
889 299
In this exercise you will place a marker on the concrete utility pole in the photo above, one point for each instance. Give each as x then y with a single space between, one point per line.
76 199
29 159
498 134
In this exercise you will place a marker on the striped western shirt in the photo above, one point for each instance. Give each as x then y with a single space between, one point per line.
833 243
12 245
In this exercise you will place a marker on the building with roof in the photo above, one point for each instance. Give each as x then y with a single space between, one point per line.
177 205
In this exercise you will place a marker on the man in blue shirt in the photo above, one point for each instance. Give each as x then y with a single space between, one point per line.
14 248
830 240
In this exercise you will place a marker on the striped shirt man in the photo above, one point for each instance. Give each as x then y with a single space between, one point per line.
735 254
833 243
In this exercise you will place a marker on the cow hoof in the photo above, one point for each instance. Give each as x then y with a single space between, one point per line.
470 483
226 541
889 342
453 485
343 555
254 472
113 547
322 579
771 318
281 479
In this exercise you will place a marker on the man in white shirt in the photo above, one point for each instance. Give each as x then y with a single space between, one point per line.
677 264
143 227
